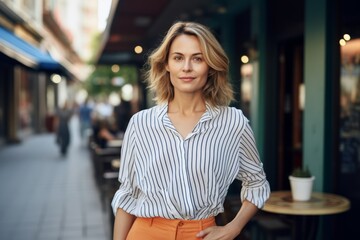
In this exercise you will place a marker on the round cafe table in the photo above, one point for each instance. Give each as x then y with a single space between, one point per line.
306 213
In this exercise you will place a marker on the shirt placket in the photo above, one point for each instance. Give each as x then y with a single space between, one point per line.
184 176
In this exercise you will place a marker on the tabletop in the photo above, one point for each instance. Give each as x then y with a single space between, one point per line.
114 143
319 204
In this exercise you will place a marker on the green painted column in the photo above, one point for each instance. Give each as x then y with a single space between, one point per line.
314 78
258 101
258 31
319 77
228 43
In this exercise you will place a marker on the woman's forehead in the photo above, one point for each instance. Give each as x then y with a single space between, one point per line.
186 44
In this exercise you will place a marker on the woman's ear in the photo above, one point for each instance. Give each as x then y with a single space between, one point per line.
167 67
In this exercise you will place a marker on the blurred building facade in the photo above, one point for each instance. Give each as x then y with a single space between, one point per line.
79 21
41 60
295 71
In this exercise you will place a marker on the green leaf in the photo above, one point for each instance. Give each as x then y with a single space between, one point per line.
301 172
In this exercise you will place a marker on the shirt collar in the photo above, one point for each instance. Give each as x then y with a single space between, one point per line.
211 112
161 110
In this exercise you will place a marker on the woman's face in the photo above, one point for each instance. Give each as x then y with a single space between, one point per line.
186 65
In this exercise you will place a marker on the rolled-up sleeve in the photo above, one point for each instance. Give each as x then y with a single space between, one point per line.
127 194
255 187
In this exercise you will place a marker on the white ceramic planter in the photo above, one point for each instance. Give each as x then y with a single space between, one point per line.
301 188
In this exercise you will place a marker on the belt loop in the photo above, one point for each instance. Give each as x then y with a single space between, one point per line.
201 224
151 221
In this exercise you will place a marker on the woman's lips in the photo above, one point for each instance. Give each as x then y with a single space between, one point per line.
187 79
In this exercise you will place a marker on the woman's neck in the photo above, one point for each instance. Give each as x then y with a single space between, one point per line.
187 105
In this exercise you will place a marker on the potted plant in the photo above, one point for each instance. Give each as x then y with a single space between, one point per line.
301 183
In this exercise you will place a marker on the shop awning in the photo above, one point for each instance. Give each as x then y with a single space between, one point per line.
25 53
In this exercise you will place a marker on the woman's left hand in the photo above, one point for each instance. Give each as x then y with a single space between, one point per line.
218 233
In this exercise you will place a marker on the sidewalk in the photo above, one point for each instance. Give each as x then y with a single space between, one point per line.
44 196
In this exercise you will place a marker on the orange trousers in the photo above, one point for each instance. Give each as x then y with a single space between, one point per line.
168 229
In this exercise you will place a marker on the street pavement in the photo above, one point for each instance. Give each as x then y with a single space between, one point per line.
44 196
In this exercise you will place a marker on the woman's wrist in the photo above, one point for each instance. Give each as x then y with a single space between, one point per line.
233 228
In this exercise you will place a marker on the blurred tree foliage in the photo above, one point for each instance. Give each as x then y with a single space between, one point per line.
104 81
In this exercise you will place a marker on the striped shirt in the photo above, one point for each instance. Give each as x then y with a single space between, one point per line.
164 175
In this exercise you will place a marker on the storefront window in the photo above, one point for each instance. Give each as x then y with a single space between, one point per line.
349 157
25 103
246 88
249 69
350 108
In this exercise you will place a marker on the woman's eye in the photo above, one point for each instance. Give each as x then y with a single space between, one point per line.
197 59
177 58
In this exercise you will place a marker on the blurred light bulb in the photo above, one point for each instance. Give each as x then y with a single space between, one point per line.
55 78
346 37
244 59
115 68
138 49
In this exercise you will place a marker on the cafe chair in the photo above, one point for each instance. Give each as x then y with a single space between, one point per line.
271 227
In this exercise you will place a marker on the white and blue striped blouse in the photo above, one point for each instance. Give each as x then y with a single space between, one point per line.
164 175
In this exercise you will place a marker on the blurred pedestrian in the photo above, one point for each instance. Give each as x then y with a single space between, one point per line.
179 158
85 118
63 116
103 132
122 114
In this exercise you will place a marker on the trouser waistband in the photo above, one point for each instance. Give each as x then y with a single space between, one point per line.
190 224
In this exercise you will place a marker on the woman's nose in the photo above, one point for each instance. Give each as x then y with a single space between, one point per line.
187 66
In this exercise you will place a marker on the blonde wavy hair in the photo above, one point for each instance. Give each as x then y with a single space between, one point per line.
217 91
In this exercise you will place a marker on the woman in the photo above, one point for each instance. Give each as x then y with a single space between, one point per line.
103 132
179 157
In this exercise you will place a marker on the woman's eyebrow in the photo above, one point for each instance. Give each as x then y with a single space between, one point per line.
199 53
